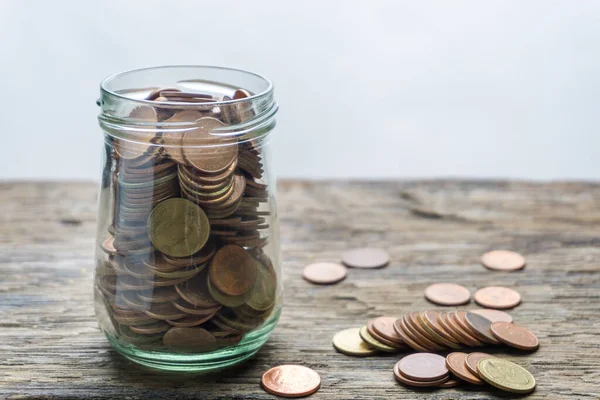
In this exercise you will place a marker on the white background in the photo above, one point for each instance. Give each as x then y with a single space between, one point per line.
369 89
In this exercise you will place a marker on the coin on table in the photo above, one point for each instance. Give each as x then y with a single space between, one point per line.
457 365
480 327
381 339
350 343
497 297
384 326
371 341
189 339
506 375
433 334
365 258
431 321
178 227
233 271
515 336
423 367
494 315
450 383
411 382
291 381
503 260
407 337
447 294
473 359
324 273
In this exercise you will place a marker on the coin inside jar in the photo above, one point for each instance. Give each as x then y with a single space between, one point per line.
178 227
233 271
324 273
291 381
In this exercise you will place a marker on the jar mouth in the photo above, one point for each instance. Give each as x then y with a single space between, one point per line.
109 85
250 117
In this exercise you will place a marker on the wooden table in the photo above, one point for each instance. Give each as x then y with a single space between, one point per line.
435 231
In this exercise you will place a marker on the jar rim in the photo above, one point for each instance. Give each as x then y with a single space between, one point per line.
106 81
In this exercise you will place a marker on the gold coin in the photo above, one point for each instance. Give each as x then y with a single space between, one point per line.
233 271
506 375
350 343
178 227
371 341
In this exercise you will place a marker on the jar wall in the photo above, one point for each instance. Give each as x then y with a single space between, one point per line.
188 266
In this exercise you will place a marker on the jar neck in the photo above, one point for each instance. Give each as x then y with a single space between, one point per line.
130 110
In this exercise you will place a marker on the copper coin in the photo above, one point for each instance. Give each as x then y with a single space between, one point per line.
460 317
150 329
450 383
188 322
188 308
383 340
480 326
164 311
456 363
233 271
432 319
423 367
421 335
410 382
159 295
384 326
406 338
189 340
365 258
291 381
439 339
447 294
503 260
472 360
324 273
515 336
494 315
466 338
497 297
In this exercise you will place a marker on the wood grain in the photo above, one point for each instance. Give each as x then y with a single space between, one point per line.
435 231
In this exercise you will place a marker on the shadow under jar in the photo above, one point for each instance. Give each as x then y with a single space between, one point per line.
188 269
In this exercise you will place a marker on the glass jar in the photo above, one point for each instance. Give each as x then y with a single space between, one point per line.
188 269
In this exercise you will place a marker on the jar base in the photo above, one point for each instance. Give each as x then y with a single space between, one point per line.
199 363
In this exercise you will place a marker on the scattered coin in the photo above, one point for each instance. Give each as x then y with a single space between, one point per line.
506 375
503 260
324 273
447 294
494 315
456 363
515 336
423 367
291 381
365 258
473 359
350 343
497 297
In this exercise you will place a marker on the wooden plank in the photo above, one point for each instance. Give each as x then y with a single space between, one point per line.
434 231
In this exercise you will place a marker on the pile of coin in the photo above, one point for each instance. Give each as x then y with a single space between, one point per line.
184 266
432 370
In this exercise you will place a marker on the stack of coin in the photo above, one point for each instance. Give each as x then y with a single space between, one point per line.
423 370
432 330
185 268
